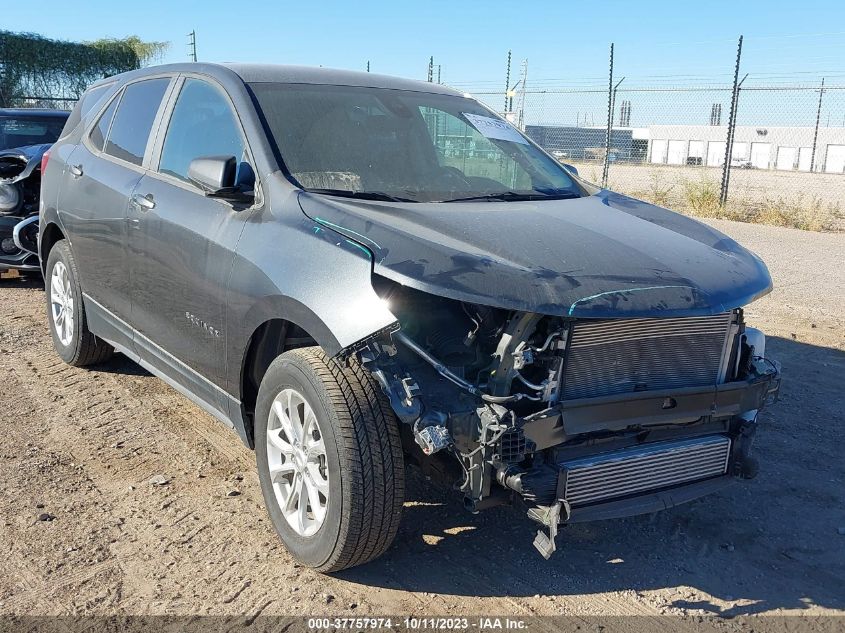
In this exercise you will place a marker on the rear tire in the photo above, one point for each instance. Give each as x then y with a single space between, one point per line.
74 342
350 454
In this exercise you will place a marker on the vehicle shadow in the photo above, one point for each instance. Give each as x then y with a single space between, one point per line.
121 364
771 543
17 280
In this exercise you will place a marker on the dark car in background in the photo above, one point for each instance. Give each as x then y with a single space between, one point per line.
353 270
25 135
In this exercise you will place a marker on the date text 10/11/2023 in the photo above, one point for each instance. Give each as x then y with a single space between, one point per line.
480 623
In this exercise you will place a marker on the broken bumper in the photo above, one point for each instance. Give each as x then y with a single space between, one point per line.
11 254
559 424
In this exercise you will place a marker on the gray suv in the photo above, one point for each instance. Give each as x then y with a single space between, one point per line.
355 271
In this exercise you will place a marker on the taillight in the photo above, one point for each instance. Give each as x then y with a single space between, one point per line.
44 159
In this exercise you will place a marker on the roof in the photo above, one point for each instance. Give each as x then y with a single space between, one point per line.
45 112
279 73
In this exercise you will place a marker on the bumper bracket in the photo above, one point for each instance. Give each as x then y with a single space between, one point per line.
550 517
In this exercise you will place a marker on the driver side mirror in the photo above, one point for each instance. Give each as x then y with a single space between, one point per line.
216 176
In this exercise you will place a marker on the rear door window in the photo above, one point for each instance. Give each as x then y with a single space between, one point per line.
130 130
202 124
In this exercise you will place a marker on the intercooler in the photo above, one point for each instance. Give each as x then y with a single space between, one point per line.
629 355
636 470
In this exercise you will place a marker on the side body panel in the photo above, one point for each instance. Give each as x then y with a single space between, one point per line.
180 256
289 267
93 216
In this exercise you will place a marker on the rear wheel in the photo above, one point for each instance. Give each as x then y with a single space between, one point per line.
329 460
72 339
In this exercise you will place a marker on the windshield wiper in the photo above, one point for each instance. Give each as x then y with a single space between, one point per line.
362 195
515 196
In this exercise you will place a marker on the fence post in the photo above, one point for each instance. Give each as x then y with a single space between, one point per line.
507 81
609 121
729 138
192 46
816 131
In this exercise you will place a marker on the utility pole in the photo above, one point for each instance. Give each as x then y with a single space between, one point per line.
507 81
192 46
431 69
729 141
368 65
816 132
438 73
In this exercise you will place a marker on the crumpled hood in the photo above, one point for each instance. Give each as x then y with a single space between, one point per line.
601 256
18 163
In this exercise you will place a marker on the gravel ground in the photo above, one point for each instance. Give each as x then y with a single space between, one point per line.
83 531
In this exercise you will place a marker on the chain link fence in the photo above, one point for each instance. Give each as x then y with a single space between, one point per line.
749 150
669 145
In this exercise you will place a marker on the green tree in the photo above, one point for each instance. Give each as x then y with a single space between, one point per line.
36 67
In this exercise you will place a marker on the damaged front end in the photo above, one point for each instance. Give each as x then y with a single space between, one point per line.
581 418
20 184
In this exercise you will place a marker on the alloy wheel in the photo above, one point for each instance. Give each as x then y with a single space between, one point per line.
296 455
62 303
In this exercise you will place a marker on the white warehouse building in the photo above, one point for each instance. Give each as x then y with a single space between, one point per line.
782 148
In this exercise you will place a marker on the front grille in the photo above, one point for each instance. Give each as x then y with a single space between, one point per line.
629 355
642 469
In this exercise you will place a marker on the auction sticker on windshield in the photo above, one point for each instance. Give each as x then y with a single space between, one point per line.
495 128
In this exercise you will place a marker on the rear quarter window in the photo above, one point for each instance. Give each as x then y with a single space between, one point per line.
85 104
101 130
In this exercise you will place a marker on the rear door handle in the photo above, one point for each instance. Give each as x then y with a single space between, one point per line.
76 171
145 203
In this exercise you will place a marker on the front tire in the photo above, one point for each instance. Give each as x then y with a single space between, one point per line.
329 460
72 339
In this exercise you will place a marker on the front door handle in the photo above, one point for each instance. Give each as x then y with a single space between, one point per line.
75 170
145 203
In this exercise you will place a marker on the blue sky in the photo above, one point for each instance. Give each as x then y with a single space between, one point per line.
687 41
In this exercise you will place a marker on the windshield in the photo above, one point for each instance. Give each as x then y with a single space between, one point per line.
404 145
17 131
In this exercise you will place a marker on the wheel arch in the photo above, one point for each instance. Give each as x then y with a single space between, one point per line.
50 234
278 325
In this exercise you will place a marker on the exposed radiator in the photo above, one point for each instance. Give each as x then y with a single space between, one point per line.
628 355
642 469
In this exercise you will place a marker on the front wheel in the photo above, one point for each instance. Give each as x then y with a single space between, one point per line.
329 460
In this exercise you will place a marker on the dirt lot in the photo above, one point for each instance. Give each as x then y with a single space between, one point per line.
81 446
